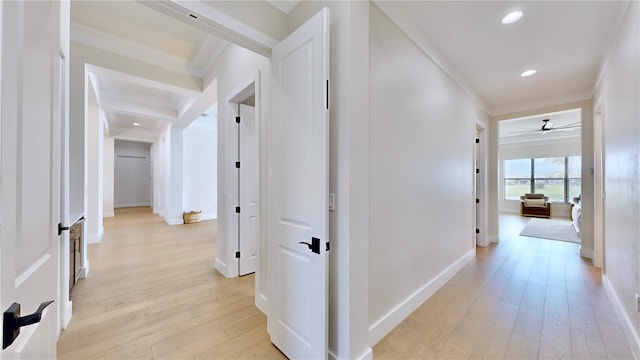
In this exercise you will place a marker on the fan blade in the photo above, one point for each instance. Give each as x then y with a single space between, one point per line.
565 126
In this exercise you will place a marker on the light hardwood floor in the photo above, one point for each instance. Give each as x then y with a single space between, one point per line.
153 292
524 298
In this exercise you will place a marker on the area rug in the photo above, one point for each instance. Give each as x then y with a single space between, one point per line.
554 229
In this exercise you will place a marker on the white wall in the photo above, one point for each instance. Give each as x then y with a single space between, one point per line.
618 94
556 148
132 186
200 167
235 66
94 120
422 176
108 177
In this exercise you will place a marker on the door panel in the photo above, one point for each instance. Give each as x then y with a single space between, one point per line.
248 189
30 151
298 191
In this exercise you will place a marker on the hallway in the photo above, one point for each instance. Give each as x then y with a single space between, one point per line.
524 298
153 292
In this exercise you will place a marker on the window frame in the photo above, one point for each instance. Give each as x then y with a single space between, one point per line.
532 179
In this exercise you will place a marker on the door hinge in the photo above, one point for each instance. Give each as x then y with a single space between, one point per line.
477 141
238 119
327 94
238 209
477 171
477 231
328 247
62 228
237 164
237 254
477 201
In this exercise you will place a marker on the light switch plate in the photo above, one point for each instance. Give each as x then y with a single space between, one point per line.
332 202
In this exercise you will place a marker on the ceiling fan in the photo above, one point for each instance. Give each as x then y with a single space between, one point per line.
547 126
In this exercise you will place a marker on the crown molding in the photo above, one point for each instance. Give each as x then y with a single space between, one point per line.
426 46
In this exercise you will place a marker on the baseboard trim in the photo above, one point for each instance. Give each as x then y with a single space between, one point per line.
389 321
221 267
94 239
493 238
174 221
130 205
586 253
366 355
627 325
262 303
68 313
84 271
108 214
212 216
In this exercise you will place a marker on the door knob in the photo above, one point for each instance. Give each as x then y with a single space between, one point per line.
13 322
314 246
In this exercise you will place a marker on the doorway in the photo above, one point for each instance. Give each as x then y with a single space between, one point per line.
245 159
598 184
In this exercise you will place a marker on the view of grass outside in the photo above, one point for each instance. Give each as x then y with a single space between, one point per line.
548 175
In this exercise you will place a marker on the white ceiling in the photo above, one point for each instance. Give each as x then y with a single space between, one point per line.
136 31
565 41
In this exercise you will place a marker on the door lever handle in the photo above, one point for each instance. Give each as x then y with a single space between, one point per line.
314 246
13 322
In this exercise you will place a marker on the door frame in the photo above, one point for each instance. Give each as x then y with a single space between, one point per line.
480 150
228 137
599 196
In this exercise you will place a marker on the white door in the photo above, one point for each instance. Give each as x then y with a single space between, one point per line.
298 191
248 155
30 170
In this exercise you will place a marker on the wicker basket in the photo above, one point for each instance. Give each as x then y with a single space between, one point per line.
191 217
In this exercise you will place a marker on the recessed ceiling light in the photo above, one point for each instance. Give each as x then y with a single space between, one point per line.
528 73
136 124
512 17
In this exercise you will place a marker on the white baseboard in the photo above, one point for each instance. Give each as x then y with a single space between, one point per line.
94 239
84 271
586 253
221 267
627 325
389 321
509 210
367 355
493 238
211 216
174 221
108 214
130 205
68 313
262 303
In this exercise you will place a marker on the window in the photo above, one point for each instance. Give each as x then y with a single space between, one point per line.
558 177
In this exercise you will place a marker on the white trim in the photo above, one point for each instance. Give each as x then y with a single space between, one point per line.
221 267
118 206
262 303
366 355
84 271
68 313
416 35
108 214
94 239
173 221
627 325
606 58
586 253
493 238
209 216
585 95
117 45
389 321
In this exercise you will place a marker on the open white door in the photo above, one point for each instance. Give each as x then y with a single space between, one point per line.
248 189
30 171
298 191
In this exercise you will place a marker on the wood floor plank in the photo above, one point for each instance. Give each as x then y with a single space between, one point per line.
153 292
